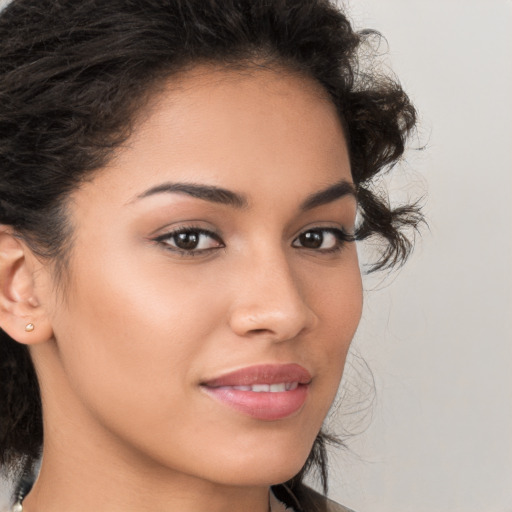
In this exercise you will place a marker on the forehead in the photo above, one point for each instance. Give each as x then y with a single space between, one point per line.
235 128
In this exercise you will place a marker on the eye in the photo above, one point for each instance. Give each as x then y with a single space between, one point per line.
190 241
323 239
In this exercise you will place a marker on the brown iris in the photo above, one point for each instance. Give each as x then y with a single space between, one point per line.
311 239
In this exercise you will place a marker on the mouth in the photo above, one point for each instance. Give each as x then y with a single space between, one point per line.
266 388
263 392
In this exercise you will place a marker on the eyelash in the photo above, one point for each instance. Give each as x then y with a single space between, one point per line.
341 236
166 237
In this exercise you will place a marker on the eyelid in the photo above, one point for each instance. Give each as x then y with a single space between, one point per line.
342 235
184 228
327 226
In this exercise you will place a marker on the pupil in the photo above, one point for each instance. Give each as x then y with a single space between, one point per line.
187 241
312 239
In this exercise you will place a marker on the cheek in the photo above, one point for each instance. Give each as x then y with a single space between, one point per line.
338 303
336 296
130 334
343 313
129 345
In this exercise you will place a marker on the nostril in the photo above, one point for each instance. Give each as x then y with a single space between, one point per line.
259 331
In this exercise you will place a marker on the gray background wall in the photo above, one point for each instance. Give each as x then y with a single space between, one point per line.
438 335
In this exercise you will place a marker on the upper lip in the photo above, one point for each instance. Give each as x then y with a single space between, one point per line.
262 374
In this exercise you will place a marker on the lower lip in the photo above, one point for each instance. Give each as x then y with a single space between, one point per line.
265 406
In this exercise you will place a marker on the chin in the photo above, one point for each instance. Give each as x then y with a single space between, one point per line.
263 476
269 465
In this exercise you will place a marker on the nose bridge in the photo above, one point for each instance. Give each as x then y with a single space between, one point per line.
271 301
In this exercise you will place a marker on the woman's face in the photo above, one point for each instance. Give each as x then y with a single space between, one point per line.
213 291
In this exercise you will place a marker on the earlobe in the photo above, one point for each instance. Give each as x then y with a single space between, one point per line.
22 316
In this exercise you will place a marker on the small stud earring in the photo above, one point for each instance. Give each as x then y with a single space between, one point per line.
30 327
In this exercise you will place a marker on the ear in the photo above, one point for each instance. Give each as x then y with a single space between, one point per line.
20 307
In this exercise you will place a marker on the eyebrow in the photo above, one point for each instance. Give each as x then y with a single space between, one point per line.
227 197
334 192
205 192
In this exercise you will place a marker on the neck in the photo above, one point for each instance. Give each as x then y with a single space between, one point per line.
75 488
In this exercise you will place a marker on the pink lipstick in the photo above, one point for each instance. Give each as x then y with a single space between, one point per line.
264 392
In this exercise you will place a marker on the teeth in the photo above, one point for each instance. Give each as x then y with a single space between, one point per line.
260 388
269 388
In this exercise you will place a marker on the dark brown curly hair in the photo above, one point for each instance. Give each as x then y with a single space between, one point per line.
75 73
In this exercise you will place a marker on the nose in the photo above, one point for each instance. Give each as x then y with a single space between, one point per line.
269 301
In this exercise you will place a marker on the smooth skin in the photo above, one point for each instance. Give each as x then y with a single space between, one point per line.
165 290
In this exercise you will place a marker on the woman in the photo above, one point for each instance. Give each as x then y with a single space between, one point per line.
179 278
